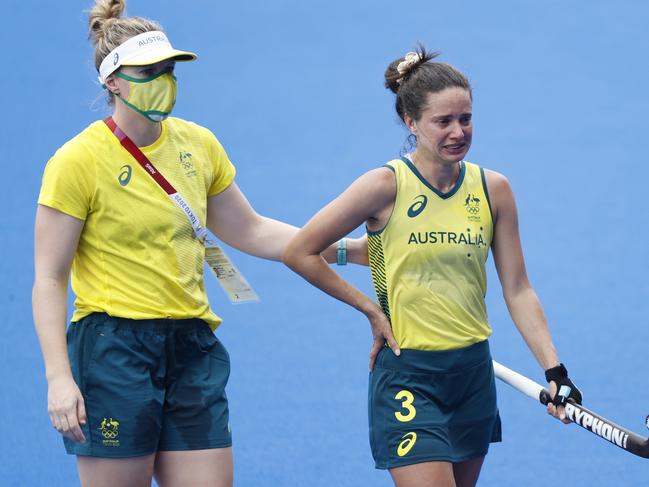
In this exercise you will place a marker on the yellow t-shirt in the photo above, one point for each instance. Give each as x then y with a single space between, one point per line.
428 262
137 256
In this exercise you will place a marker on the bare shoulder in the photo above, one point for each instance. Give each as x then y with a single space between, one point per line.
496 181
374 191
383 176
500 191
379 182
500 194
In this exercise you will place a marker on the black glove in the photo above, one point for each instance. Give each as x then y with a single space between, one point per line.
565 388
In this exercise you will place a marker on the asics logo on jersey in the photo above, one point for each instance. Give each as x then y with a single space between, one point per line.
418 206
407 442
125 175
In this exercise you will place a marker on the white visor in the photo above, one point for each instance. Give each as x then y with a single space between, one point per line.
147 48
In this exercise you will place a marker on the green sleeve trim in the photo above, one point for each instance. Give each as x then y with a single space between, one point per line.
444 196
486 192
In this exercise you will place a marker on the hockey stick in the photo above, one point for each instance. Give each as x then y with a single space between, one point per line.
590 421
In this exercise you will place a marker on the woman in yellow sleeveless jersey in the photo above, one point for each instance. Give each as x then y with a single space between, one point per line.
138 387
431 219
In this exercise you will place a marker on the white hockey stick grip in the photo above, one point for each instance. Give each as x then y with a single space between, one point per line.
518 381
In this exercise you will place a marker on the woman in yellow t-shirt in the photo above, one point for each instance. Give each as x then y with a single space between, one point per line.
431 219
137 387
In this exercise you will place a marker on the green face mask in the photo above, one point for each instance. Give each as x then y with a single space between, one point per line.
153 97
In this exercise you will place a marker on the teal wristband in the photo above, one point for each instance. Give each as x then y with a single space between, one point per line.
341 254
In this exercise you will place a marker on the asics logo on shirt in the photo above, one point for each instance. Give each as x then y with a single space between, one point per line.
125 175
407 442
418 206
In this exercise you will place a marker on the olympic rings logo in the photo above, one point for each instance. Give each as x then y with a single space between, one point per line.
109 428
472 209
109 434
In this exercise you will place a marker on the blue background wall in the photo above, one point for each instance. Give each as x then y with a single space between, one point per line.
294 92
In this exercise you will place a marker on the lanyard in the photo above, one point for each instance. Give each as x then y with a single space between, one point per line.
232 281
199 231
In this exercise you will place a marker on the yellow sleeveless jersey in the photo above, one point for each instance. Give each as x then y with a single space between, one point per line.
137 256
428 262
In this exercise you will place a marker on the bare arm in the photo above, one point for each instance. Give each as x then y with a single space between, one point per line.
357 251
231 217
56 238
365 199
523 304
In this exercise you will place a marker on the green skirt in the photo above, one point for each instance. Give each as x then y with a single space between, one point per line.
432 406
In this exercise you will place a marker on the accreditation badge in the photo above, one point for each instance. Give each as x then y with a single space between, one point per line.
231 280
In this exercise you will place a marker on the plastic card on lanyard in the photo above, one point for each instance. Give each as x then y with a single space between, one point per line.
232 281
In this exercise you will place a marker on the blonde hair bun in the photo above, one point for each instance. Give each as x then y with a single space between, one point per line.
102 15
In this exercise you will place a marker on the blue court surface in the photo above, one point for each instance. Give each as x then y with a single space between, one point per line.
294 91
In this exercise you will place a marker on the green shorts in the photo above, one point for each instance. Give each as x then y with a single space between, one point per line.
149 385
432 406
